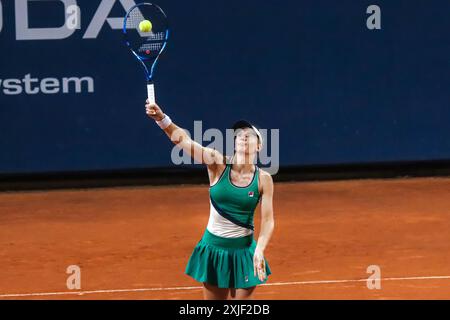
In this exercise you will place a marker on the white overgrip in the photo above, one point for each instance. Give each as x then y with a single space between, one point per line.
151 93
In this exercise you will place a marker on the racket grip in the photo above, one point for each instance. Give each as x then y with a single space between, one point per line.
151 93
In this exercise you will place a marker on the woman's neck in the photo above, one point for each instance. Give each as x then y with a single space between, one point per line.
243 162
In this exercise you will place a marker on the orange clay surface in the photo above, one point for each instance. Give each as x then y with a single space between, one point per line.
134 243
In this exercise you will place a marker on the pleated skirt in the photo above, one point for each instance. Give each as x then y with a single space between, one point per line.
224 262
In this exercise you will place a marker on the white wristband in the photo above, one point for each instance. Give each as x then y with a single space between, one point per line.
165 122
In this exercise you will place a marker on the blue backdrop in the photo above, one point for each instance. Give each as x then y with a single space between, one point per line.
338 92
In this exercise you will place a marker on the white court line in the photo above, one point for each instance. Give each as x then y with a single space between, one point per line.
196 288
354 280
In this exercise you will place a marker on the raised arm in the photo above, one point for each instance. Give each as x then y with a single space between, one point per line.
179 137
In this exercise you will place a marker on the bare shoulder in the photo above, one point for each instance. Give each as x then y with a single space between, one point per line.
266 181
265 175
213 159
218 157
216 167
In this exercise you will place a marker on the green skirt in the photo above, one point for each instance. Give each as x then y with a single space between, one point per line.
224 262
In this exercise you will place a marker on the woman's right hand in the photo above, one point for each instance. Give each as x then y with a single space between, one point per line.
154 111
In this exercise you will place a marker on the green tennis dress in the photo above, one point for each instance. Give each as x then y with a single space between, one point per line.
224 255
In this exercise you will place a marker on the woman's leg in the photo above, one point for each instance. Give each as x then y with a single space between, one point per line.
211 292
242 294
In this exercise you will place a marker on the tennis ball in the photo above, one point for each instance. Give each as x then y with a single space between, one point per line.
145 26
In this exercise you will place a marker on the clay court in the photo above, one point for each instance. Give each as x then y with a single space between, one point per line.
134 242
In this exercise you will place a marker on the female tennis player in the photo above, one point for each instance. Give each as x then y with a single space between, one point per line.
227 260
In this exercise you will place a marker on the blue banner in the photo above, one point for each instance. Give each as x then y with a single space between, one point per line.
343 81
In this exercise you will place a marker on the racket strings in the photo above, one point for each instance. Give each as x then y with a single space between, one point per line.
134 18
150 46
145 42
160 36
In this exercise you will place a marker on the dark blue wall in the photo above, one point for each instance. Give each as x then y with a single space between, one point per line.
338 92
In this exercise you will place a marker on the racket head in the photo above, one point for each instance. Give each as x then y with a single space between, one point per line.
146 46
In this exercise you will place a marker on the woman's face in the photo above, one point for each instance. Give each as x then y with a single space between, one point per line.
246 141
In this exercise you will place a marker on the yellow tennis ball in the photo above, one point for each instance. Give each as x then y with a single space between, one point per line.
145 26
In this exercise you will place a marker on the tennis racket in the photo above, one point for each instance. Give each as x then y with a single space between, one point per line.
146 45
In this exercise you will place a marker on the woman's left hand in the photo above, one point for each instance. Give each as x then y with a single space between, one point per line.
259 264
